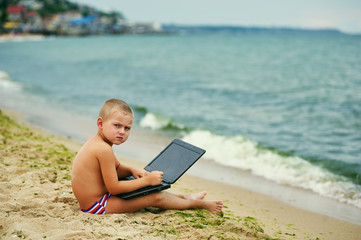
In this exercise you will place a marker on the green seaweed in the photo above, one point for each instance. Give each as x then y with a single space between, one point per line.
36 150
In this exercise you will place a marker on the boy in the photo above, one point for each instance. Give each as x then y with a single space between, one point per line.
96 171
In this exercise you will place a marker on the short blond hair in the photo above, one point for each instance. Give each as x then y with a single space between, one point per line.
113 105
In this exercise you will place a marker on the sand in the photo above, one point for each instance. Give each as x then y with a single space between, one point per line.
20 37
36 201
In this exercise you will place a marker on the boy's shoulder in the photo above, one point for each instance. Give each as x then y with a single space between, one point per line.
97 144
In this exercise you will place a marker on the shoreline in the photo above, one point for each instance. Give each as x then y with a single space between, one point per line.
36 182
21 37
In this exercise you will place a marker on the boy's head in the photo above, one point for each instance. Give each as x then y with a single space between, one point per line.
114 105
115 121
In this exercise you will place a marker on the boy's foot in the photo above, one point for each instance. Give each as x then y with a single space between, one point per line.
214 206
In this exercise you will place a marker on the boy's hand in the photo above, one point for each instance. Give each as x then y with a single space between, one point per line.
155 178
138 173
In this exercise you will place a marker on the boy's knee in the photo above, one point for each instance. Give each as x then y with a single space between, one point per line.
157 197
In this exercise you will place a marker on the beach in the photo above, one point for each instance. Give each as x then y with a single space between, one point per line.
37 201
20 37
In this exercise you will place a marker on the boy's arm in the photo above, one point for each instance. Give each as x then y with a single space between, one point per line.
126 171
107 162
122 170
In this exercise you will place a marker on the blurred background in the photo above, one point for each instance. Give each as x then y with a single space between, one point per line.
268 88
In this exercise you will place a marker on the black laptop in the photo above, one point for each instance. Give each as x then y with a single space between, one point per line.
173 161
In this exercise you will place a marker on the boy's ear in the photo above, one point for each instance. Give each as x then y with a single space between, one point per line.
100 122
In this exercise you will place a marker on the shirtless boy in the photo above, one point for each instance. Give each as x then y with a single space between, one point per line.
96 171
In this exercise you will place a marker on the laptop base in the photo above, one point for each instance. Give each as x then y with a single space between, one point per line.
144 191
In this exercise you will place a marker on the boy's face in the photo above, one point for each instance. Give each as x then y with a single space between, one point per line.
117 127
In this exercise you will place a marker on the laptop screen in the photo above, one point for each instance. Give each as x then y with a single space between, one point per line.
175 160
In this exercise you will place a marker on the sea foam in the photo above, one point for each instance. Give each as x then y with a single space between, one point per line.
154 122
294 171
7 84
159 122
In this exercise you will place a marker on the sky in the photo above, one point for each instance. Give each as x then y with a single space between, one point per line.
344 15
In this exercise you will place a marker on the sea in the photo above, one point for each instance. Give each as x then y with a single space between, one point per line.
282 108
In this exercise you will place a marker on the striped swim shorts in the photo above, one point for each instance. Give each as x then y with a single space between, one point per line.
98 207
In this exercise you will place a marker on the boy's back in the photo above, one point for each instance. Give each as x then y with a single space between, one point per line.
86 172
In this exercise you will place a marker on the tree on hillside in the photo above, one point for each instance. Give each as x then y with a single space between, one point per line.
56 6
3 9
3 13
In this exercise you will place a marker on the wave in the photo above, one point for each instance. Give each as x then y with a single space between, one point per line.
8 84
141 110
159 122
242 153
294 171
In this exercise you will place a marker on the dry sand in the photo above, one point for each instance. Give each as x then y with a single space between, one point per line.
36 202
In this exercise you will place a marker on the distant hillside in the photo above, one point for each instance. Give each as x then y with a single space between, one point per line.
172 28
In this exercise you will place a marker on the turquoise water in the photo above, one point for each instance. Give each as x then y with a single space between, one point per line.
286 107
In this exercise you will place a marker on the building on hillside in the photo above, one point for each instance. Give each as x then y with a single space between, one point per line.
87 25
33 22
16 17
16 13
58 24
141 28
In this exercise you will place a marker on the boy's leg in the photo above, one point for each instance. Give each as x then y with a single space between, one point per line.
163 200
199 195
